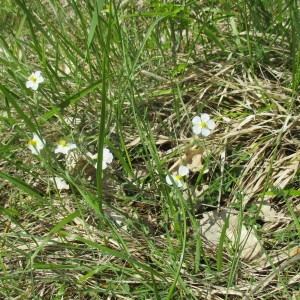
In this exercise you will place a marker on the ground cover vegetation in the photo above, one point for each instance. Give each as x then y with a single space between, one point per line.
149 149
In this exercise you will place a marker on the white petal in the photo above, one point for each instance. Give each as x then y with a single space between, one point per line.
197 129
107 156
71 146
92 156
28 84
210 124
32 85
104 165
58 149
35 137
61 184
205 131
33 150
168 180
204 117
35 86
178 183
196 120
183 170
40 79
64 150
40 144
36 74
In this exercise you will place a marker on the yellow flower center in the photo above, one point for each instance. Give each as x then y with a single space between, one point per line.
202 124
32 78
32 143
63 143
178 177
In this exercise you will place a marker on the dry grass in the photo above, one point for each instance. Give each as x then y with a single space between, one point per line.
269 142
53 246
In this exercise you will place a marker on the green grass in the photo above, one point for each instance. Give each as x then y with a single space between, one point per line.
135 73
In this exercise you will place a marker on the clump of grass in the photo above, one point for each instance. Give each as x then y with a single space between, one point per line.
130 77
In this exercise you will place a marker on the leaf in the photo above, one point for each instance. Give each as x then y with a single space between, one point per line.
248 244
268 214
22 185
71 100
283 192
95 20
192 158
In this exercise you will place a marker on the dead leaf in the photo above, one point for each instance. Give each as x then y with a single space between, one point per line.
212 225
192 159
269 214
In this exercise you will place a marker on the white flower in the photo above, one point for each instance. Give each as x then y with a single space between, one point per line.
34 80
64 147
107 158
182 171
36 144
60 183
203 125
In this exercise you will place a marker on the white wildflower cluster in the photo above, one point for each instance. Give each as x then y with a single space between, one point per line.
201 125
37 143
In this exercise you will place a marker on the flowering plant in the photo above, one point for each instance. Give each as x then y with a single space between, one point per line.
36 144
107 158
60 183
64 147
182 171
203 125
34 80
